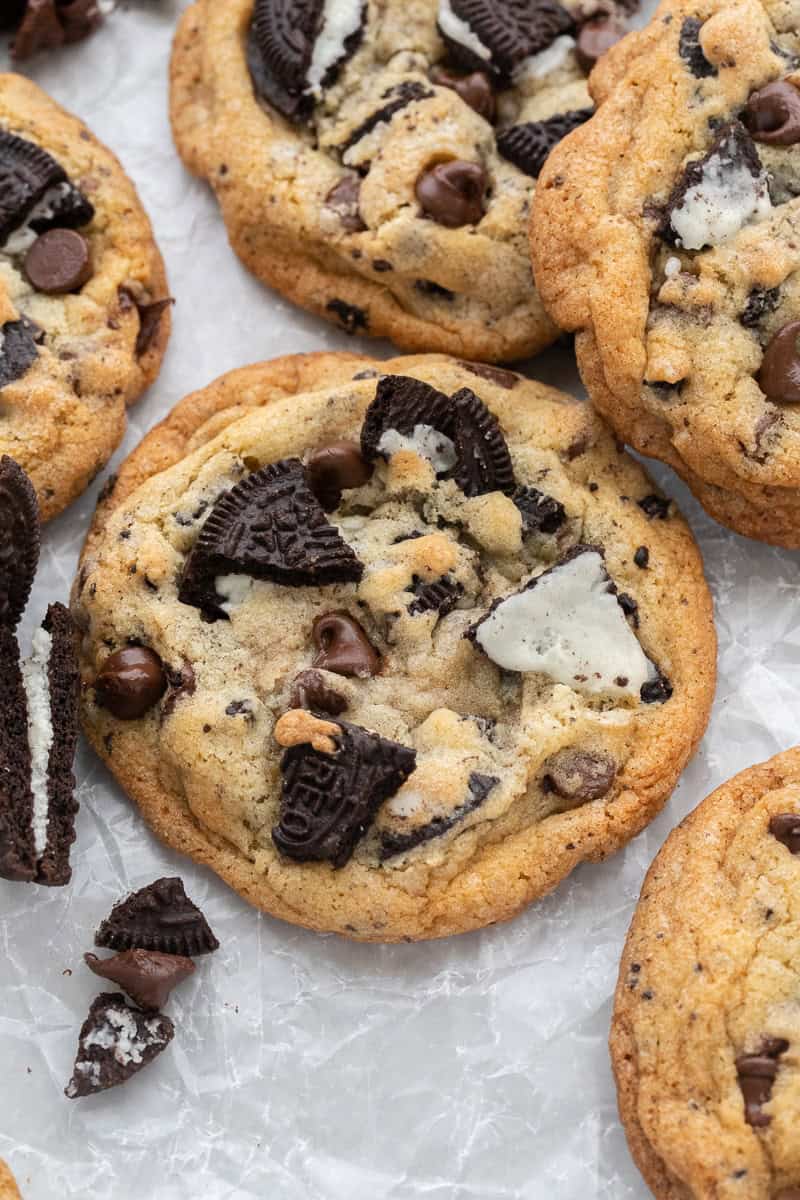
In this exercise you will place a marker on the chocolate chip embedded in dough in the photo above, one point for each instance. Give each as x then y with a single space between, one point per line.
343 647
343 199
130 682
595 38
452 193
786 828
580 775
311 691
779 377
756 1074
59 262
474 89
773 114
335 468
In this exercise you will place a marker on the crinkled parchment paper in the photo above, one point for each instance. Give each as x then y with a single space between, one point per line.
307 1067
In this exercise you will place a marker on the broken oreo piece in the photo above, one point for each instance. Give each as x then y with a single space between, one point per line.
540 513
498 35
18 349
690 50
528 145
441 596
310 690
483 463
328 801
19 541
403 404
395 842
269 526
115 1042
147 976
26 173
397 97
760 302
38 736
65 208
158 917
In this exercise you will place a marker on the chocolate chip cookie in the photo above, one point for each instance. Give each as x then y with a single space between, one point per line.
391 646
84 315
8 1186
705 1037
664 233
374 158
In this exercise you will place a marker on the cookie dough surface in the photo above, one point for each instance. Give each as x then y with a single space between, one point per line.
518 776
665 233
706 1028
96 347
324 206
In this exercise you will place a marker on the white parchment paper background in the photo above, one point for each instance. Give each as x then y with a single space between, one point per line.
307 1067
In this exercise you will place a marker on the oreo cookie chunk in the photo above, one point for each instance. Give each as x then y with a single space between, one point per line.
270 526
527 146
116 1041
501 36
410 822
19 541
158 917
35 194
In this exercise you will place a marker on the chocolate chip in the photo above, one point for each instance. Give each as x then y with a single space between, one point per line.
451 193
396 842
19 541
397 98
130 682
642 557
59 262
351 316
182 683
779 377
496 375
343 199
146 975
595 38
474 89
511 32
115 1042
756 1074
328 801
760 302
429 288
311 691
690 50
773 114
269 526
655 507
335 468
656 691
343 647
540 513
580 775
149 323
18 350
157 917
528 145
441 596
786 828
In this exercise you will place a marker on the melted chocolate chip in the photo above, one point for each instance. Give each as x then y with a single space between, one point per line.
779 377
595 38
157 917
773 114
786 828
146 975
343 647
642 557
496 375
335 468
528 145
58 262
474 89
756 1074
19 541
149 323
311 691
655 507
343 199
351 316
451 193
429 288
130 682
580 775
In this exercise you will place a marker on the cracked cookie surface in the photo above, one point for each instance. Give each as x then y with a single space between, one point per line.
706 1032
388 192
665 234
80 280
390 755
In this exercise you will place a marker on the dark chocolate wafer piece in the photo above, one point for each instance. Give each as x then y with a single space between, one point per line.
18 349
401 841
403 403
510 30
158 917
115 1042
19 540
483 463
17 850
528 145
26 173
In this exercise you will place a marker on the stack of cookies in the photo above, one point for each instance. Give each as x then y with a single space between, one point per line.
394 646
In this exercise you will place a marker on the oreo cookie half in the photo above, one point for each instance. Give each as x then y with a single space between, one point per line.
35 188
270 526
528 145
38 735
328 801
157 917
115 1042
498 35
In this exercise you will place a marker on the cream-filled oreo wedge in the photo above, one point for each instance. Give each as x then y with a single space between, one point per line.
391 646
374 159
39 730
84 306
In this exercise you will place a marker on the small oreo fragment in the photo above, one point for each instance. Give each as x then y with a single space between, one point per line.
19 540
115 1042
441 596
483 463
760 302
690 50
397 97
328 801
507 32
540 513
18 349
148 976
26 173
395 842
528 145
269 526
157 917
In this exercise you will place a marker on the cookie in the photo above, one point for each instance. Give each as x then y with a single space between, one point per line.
8 1185
83 323
39 729
47 24
705 1037
664 234
374 161
388 754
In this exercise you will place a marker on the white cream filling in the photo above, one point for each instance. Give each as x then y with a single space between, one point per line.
459 31
672 267
340 19
727 198
536 66
405 803
119 1033
40 731
233 590
425 441
570 627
